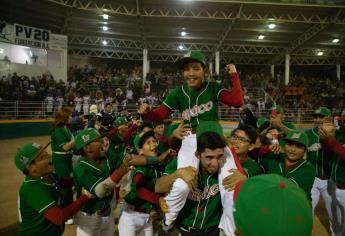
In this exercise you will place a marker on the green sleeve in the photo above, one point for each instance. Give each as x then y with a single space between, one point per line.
289 125
306 179
88 181
171 167
171 101
114 159
40 199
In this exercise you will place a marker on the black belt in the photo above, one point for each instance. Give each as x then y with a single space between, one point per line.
103 212
323 177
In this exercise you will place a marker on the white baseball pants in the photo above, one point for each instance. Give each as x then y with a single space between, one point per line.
134 223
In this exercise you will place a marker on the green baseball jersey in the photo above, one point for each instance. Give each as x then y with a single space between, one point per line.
251 167
150 173
338 167
88 174
195 105
317 156
302 173
203 208
36 196
62 160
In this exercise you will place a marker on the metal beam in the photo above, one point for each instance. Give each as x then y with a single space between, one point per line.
216 14
226 32
68 17
141 24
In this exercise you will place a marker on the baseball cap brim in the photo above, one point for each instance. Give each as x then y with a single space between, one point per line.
185 60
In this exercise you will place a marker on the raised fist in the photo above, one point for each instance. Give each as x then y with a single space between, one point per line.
231 69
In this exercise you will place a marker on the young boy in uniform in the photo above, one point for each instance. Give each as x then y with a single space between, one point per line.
97 174
197 100
39 202
291 164
141 199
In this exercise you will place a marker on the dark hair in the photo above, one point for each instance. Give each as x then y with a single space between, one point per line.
144 125
107 104
145 137
249 130
210 140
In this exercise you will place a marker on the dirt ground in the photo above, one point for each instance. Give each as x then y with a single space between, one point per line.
11 179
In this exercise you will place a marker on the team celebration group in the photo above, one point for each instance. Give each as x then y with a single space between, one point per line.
185 177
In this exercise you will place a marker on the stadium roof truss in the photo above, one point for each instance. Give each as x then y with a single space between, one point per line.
231 27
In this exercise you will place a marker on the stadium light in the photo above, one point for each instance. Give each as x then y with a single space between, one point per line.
183 33
271 26
180 47
335 40
105 16
261 36
105 23
105 28
104 42
320 53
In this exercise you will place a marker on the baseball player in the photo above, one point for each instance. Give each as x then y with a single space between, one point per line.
98 175
78 102
334 140
203 210
242 140
62 143
271 205
39 206
321 159
86 103
291 164
141 199
198 101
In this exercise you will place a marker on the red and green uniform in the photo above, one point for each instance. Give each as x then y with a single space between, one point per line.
338 167
62 160
142 190
319 157
201 104
302 173
203 208
36 196
88 174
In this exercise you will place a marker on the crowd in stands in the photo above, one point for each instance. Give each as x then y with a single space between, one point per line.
86 85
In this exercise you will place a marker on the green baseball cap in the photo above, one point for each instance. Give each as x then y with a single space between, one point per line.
323 111
142 136
262 121
209 126
85 137
120 121
191 56
27 153
297 136
275 205
278 108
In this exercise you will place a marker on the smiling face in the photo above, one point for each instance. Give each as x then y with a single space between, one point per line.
194 74
210 160
149 147
294 151
241 142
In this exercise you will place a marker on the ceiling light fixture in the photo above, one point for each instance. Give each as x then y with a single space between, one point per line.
271 26
105 28
183 33
261 36
105 16
180 47
104 42
320 53
1 50
335 40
